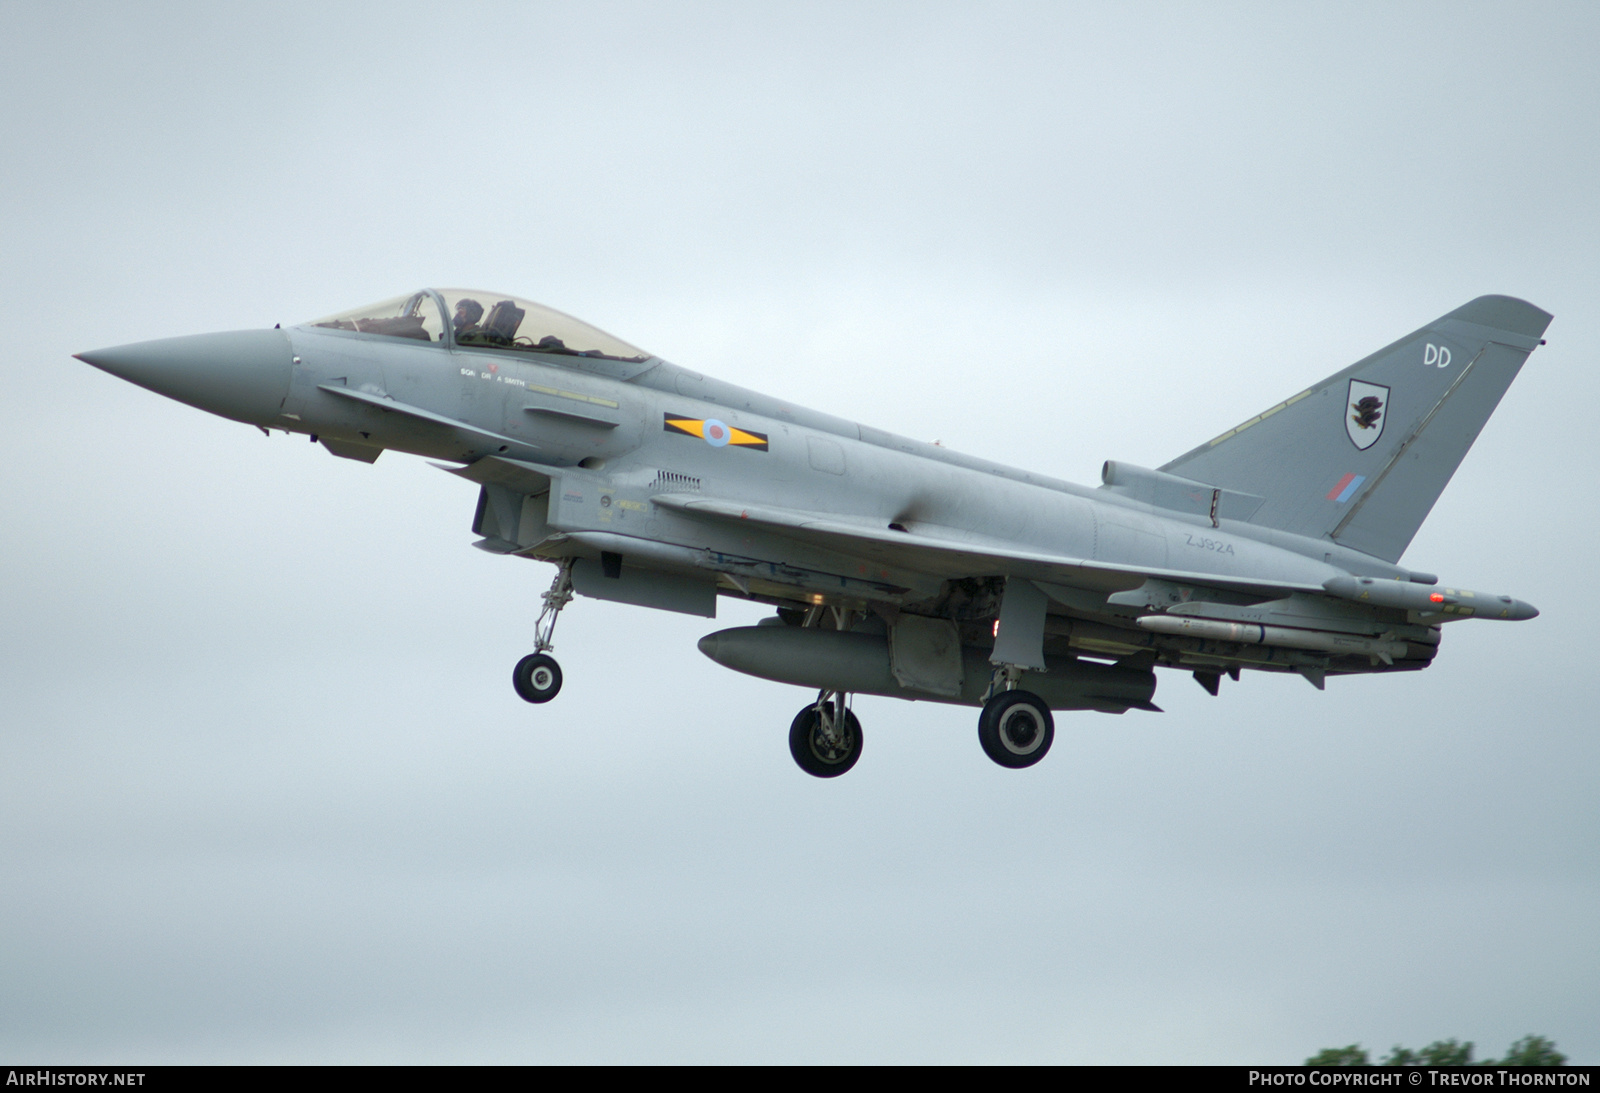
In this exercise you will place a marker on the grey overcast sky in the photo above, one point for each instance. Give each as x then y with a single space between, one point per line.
265 791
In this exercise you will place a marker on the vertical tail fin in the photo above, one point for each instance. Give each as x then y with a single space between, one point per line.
1361 457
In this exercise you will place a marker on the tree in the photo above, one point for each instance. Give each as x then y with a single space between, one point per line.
1531 1050
1439 1053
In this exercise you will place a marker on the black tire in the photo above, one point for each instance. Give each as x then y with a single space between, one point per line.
814 753
537 678
1016 729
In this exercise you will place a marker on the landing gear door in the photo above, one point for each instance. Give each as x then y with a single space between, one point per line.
1019 638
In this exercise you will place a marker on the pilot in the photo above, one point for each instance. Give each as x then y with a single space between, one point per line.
468 312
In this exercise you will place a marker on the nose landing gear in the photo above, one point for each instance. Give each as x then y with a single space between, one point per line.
537 676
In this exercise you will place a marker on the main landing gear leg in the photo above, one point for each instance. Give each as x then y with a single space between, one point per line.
825 737
537 676
1015 727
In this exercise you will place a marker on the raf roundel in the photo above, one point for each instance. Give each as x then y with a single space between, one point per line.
716 433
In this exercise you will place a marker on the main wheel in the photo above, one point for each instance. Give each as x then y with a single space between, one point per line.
819 750
1016 728
537 678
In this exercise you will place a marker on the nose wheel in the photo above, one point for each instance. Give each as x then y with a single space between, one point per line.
537 676
825 737
1016 728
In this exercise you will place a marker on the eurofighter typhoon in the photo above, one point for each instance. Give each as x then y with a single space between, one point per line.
896 567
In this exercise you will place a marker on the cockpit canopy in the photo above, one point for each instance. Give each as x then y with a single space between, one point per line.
482 320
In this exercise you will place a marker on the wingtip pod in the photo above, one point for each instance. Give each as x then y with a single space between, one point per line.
1429 600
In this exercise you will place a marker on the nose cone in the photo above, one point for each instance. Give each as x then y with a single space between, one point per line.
243 375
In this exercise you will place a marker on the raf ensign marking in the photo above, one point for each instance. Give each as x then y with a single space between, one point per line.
714 432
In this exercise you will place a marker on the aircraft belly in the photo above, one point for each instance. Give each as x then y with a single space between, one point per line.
644 587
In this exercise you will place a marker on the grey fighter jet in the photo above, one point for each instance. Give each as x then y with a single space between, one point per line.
897 567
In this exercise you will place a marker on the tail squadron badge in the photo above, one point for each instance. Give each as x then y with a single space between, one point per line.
1366 409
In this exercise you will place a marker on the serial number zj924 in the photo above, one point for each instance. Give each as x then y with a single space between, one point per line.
1217 546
